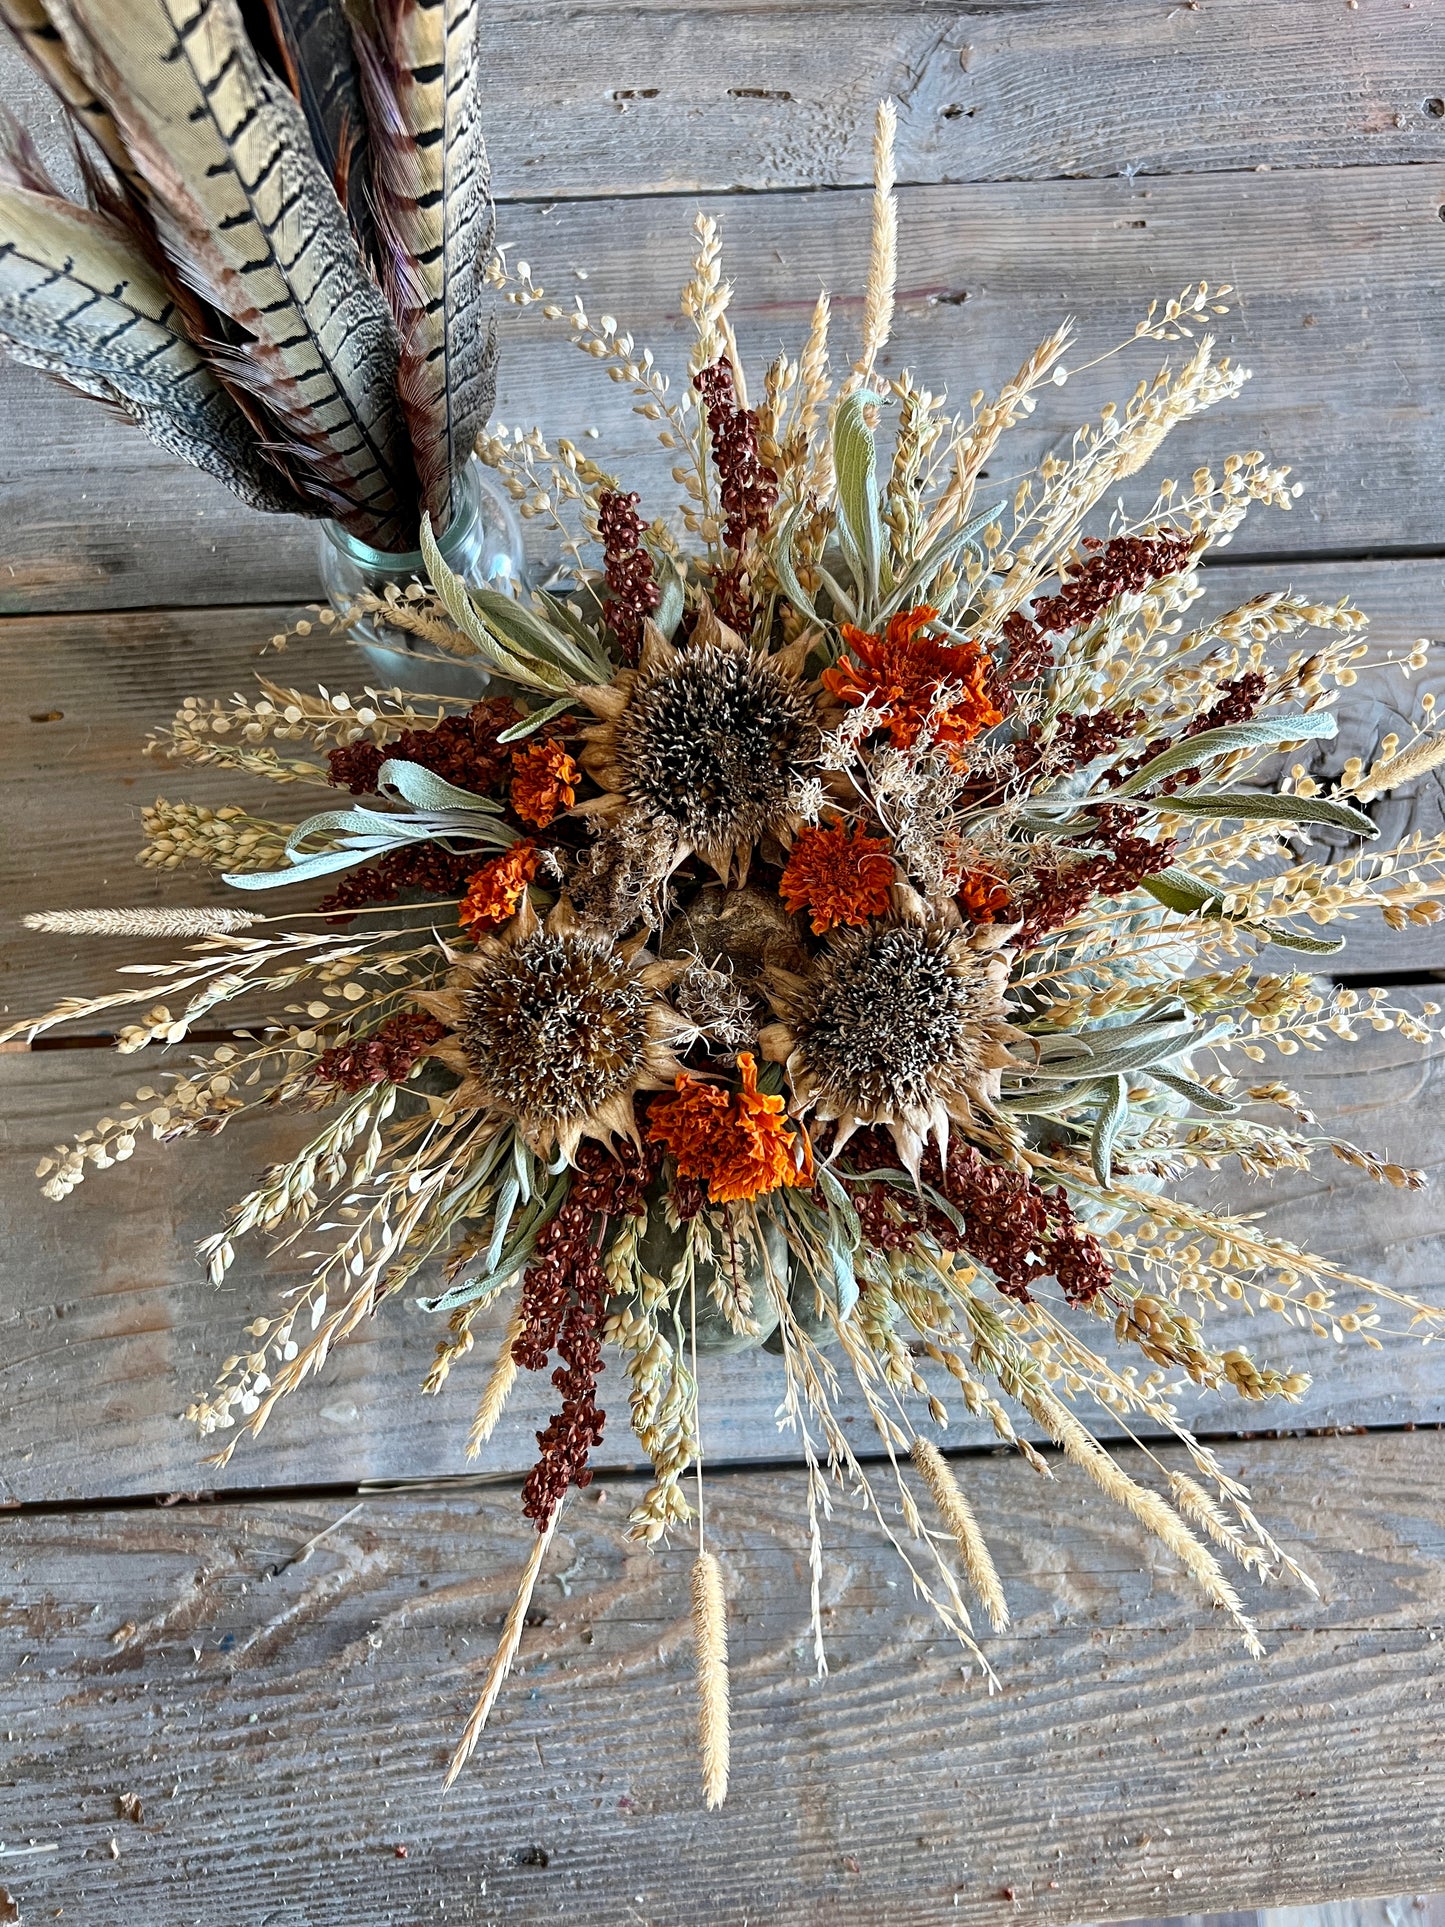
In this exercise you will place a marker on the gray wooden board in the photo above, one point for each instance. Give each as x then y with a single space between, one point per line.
79 693
284 1725
1339 271
107 1325
675 96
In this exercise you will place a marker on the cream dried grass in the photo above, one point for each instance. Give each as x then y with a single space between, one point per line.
883 259
499 1385
506 1651
710 1645
1421 757
957 1514
1146 1506
142 923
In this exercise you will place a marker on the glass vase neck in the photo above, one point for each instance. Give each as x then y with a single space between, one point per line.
452 542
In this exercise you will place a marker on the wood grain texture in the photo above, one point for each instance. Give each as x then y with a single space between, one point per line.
1341 318
285 1724
680 96
78 695
107 1326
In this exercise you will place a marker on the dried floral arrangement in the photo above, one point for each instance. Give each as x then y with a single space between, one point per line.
839 930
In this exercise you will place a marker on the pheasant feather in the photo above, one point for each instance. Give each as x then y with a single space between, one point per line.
431 184
78 300
315 45
40 41
247 216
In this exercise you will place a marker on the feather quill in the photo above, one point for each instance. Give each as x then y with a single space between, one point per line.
80 301
246 215
432 190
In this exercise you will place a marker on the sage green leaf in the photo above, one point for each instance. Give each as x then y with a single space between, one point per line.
839 1201
1276 933
1264 806
1113 1109
535 721
673 598
525 634
783 566
1199 1095
524 669
855 467
947 548
1179 891
1263 732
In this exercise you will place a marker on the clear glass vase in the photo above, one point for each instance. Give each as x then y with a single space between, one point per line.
482 543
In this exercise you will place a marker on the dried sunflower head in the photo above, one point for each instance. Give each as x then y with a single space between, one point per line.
707 740
557 1029
901 1024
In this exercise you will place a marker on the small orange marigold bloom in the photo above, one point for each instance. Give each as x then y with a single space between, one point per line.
841 877
983 896
901 672
737 1142
544 782
494 892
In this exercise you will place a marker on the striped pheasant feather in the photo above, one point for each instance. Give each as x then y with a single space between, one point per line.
246 214
39 40
78 300
432 191
315 45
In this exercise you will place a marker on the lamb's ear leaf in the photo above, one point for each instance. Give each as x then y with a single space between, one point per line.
425 790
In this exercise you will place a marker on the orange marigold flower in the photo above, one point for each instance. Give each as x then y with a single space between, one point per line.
544 782
841 877
983 896
493 893
738 1142
901 673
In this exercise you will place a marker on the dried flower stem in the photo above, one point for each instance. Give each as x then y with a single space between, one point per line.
506 1650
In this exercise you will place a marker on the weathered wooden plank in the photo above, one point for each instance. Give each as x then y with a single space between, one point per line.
76 781
1346 340
284 1725
80 697
107 1326
677 96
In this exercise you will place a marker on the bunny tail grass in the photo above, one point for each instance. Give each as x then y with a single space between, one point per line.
141 923
957 1514
710 1643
